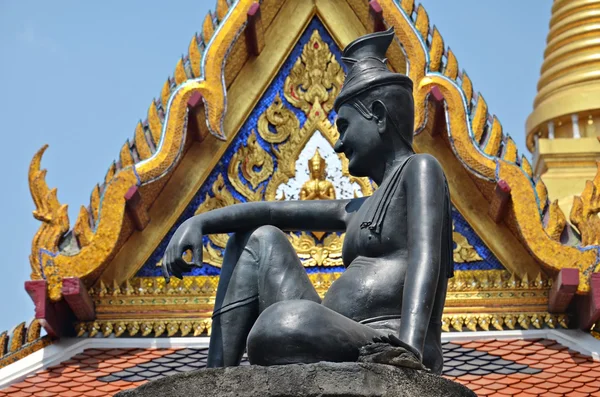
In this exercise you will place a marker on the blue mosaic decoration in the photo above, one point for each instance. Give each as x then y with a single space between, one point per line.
277 85
489 262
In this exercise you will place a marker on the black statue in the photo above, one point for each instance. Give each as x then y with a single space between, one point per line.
397 250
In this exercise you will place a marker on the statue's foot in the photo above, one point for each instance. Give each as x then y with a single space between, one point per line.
381 351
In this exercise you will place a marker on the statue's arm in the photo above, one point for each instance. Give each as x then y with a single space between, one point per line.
322 215
425 190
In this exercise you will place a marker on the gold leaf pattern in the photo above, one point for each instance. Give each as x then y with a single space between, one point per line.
463 252
281 118
316 77
255 164
584 213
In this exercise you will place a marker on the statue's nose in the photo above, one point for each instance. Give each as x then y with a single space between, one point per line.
339 146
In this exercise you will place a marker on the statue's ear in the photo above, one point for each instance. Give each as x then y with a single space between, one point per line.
380 112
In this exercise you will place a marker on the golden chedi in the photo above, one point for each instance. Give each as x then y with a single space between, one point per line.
563 129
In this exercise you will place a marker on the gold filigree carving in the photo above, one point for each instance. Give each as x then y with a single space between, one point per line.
503 321
476 300
255 164
202 325
283 120
55 223
329 253
556 221
463 252
584 213
315 78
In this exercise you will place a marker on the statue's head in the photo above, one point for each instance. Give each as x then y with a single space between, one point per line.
316 166
374 103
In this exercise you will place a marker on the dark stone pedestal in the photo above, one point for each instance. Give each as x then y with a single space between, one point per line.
306 380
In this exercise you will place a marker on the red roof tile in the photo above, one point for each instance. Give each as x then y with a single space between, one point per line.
489 368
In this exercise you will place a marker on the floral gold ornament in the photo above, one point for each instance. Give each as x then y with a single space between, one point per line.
584 213
328 253
22 341
221 198
463 252
202 327
255 165
316 78
476 300
283 120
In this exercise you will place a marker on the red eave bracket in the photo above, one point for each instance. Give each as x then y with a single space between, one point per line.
255 35
135 208
376 13
78 299
439 122
589 305
57 317
563 290
500 200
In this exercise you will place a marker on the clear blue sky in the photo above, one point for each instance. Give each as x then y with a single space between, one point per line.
78 75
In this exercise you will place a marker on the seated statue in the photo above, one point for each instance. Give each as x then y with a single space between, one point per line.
317 187
397 250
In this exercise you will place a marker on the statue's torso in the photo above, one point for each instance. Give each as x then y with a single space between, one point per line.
376 264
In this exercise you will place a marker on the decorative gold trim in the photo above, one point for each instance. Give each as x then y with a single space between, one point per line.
327 253
477 300
584 213
248 159
202 326
23 341
463 252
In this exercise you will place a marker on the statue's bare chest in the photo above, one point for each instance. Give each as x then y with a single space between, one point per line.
362 241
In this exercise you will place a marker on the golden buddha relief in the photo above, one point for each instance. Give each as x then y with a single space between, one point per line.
317 187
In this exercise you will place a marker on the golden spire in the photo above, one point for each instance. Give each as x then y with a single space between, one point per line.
567 104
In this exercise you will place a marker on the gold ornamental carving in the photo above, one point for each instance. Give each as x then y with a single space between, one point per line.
201 326
283 120
327 253
584 213
255 165
463 252
316 78
476 300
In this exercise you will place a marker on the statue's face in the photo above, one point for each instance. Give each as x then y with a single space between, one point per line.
359 140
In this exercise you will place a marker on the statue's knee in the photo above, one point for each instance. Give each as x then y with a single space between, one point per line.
267 234
285 321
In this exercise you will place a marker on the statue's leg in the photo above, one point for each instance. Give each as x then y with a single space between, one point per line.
259 268
301 331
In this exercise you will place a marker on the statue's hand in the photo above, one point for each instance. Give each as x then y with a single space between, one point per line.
187 237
